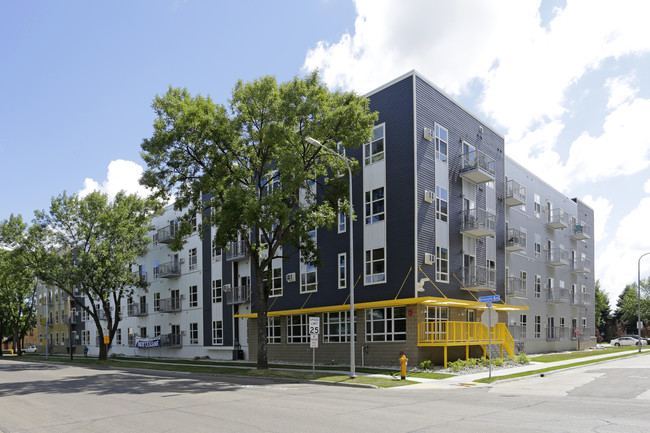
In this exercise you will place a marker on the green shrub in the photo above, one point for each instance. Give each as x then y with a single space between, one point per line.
426 365
522 358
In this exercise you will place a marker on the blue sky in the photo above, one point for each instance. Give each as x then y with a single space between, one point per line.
566 82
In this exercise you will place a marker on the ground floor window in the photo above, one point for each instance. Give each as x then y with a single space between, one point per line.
538 326
336 327
386 324
217 332
297 329
274 331
194 333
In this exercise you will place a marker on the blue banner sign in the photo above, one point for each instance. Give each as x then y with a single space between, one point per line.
146 343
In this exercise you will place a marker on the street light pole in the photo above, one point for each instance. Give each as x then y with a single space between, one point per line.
638 287
315 142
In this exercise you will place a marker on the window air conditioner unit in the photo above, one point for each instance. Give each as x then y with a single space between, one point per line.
181 261
182 296
429 196
428 258
226 287
291 277
429 134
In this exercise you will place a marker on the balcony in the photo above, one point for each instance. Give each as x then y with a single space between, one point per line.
581 266
557 295
518 332
171 340
556 333
136 310
170 305
478 223
238 294
477 167
66 342
558 219
515 193
557 257
586 299
166 235
582 333
575 298
516 240
479 278
237 250
516 287
580 232
169 270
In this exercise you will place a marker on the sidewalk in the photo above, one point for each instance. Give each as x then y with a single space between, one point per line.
467 380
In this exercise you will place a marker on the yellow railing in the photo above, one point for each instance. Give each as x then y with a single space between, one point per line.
445 333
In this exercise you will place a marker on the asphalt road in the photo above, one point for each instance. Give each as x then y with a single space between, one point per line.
612 396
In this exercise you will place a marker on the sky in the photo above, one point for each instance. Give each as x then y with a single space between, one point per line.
566 82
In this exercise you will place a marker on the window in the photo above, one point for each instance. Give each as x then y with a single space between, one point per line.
342 270
143 332
156 331
441 143
216 291
442 198
375 205
194 296
584 322
523 318
276 281
442 264
193 223
538 326
375 266
538 206
523 275
194 333
341 224
156 302
538 246
386 324
538 286
308 275
216 252
274 331
217 332
193 259
270 182
374 151
336 327
297 331
118 336
155 271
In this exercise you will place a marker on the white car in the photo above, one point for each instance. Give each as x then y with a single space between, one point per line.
30 349
627 341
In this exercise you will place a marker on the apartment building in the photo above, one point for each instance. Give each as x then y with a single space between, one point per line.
443 217
60 323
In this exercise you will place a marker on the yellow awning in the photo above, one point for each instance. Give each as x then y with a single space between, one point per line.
428 301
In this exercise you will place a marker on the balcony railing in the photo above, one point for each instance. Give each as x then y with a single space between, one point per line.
166 235
137 309
557 295
516 240
557 257
518 332
237 250
515 193
581 266
478 223
170 305
171 340
575 298
582 333
586 299
516 287
558 219
580 232
555 333
477 167
476 278
169 270
238 294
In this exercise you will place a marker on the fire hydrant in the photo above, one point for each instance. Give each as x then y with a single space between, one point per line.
404 361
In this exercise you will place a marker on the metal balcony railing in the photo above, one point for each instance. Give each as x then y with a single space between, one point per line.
555 333
237 250
516 287
476 278
557 257
557 295
581 266
581 333
171 340
169 270
477 167
515 240
166 234
136 309
478 223
515 193
238 294
575 298
586 299
580 232
558 219
518 332
170 305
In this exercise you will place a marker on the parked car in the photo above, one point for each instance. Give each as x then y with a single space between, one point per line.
627 341
30 349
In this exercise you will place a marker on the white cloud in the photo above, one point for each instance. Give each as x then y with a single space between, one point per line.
121 175
621 90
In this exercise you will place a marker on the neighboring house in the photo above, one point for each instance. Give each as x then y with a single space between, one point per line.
442 218
58 317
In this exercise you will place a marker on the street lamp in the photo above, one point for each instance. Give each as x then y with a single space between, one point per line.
315 142
638 287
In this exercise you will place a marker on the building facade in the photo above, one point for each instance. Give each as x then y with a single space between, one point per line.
443 217
60 323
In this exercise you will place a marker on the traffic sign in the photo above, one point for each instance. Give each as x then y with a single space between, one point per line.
314 325
494 298
313 341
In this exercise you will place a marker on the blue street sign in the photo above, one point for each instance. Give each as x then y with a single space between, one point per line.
489 304
494 298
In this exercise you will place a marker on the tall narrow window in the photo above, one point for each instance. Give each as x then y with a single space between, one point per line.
194 333
441 143
193 259
194 296
216 291
374 151
276 280
308 275
217 332
538 326
442 201
342 270
538 286
375 205
375 266
442 264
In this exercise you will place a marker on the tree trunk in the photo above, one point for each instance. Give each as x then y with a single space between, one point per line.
262 323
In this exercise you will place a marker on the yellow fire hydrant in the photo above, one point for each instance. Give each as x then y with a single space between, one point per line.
404 361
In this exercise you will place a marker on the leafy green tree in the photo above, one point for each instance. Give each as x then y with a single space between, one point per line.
627 306
90 243
249 170
602 307
17 283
